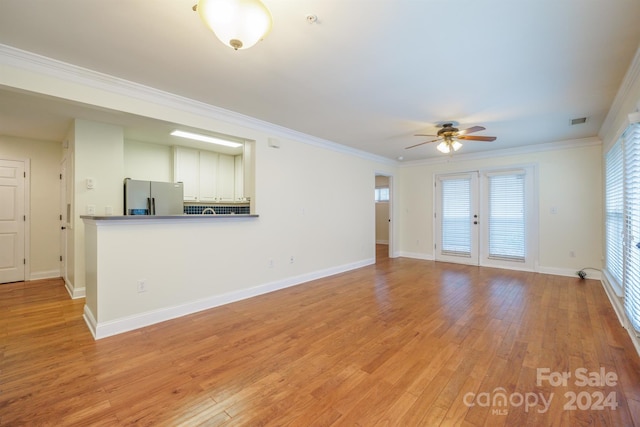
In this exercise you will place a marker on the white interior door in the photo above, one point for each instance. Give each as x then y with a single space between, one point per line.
456 218
12 221
64 219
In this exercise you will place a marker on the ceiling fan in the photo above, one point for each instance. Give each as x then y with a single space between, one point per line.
450 136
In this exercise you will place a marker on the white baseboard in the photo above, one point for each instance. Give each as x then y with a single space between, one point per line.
74 293
129 323
568 272
90 320
618 306
415 255
39 275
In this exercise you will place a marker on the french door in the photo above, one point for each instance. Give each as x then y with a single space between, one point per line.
456 215
486 218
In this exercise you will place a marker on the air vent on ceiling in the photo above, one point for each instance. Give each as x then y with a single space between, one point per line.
578 121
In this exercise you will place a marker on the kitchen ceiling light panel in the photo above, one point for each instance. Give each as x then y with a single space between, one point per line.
205 138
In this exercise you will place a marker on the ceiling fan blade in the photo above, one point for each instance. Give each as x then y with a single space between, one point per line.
477 138
423 134
471 130
422 143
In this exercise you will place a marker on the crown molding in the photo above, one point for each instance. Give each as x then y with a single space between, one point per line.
10 56
517 151
630 78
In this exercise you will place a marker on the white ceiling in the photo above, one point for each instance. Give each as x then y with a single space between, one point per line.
368 74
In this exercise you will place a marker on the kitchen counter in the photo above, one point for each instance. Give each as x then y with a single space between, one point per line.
143 269
164 217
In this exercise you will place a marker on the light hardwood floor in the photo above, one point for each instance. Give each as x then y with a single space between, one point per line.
404 342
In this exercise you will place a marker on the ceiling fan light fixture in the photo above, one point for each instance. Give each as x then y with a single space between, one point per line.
444 147
239 24
449 144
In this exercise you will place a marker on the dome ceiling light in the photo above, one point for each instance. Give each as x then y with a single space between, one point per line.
237 23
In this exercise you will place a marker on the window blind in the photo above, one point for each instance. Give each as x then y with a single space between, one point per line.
614 211
507 216
456 216
382 194
631 142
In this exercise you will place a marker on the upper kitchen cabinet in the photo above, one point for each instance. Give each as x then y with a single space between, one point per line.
208 179
186 170
238 190
226 178
207 176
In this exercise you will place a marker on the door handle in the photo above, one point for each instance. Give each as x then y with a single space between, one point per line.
475 222
63 228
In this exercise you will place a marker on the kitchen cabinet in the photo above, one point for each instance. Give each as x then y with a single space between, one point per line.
185 169
208 179
226 176
239 179
207 176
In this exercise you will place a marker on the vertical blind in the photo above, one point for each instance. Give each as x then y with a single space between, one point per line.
507 216
631 145
456 216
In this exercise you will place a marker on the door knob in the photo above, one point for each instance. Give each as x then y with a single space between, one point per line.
63 228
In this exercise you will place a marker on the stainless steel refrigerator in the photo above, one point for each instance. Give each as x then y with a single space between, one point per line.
153 197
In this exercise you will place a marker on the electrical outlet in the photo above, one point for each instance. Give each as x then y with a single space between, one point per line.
142 285
291 260
572 254
270 263
91 209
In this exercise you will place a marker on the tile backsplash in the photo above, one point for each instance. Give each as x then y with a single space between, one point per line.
220 210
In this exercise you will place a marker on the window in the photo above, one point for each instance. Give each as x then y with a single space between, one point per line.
631 276
614 223
382 194
622 220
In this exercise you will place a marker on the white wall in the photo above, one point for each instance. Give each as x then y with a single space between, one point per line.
147 161
98 153
569 179
44 244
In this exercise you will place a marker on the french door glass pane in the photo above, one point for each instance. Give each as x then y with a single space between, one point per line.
507 217
456 216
